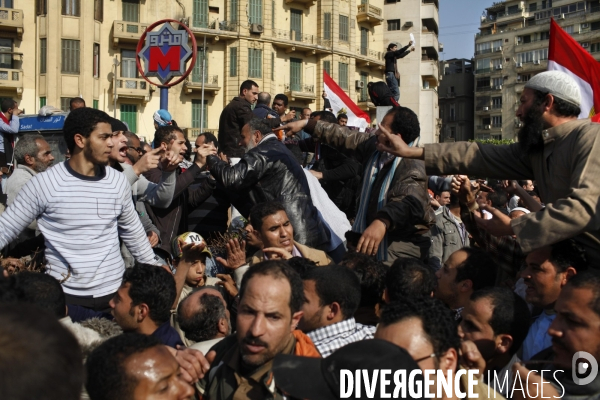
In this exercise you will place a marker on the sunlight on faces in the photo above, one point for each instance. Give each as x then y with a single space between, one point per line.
249 139
279 107
43 158
576 326
443 198
277 231
122 309
314 314
119 150
265 322
157 375
475 326
196 275
178 146
97 148
447 287
543 283
250 95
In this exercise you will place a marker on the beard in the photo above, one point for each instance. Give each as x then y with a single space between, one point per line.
251 144
40 166
530 135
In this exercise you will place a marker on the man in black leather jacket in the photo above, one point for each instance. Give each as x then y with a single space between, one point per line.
268 171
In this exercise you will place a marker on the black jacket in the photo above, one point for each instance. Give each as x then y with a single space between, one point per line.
392 56
270 172
233 117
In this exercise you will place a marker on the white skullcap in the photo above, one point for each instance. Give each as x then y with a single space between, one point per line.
557 83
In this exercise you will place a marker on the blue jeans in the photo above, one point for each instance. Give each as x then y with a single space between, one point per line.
392 82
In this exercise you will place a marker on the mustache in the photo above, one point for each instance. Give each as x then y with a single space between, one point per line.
255 342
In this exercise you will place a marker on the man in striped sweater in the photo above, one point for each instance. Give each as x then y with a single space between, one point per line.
82 208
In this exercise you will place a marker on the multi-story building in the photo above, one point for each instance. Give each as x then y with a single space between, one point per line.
456 96
53 50
512 46
419 71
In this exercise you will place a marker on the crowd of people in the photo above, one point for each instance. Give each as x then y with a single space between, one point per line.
261 262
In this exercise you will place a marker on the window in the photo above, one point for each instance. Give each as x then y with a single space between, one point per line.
296 24
497 82
497 102
43 55
254 63
531 56
595 48
272 66
65 103
131 11
6 3
96 66
198 110
391 1
200 14
344 28
95 104
497 121
42 102
327 67
70 56
128 66
6 48
364 95
569 29
393 25
452 113
233 56
273 14
71 7
296 74
595 26
327 26
496 62
532 7
129 116
364 41
483 65
197 71
343 76
256 12
524 77
233 11
99 10
41 7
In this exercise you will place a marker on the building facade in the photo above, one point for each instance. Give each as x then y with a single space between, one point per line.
456 97
53 50
419 71
512 46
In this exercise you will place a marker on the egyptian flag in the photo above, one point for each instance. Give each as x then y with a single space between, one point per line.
566 54
342 104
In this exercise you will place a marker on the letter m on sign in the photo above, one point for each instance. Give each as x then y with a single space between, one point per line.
167 62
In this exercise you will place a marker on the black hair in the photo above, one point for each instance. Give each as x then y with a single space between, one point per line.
264 98
589 279
561 107
7 104
165 134
76 100
409 277
82 121
371 274
281 97
281 270
259 124
510 315
334 283
107 378
405 123
39 357
340 116
153 286
202 324
498 198
39 289
326 116
247 85
301 265
522 183
479 267
210 138
568 253
391 45
437 320
263 210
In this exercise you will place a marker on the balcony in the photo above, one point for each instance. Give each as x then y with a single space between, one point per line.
192 133
11 20
300 92
306 3
365 104
296 41
194 83
369 14
133 88
483 110
126 31
366 57
11 79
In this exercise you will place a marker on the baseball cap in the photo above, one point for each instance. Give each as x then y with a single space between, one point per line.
319 378
187 238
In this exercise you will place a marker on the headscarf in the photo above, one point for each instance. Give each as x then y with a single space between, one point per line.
162 118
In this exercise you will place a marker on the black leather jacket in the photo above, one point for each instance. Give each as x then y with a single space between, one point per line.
270 172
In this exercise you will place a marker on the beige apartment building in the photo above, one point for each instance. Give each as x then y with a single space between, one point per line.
53 50
419 71
512 46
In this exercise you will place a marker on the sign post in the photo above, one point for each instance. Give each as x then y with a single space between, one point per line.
165 53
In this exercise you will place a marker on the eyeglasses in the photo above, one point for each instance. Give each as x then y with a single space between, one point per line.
138 149
426 358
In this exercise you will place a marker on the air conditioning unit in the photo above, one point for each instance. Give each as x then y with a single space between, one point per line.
487 127
585 45
486 109
185 21
518 78
360 84
408 24
499 87
585 26
537 62
561 16
499 48
519 65
256 28
499 66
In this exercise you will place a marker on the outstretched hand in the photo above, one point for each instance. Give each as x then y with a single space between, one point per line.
294 126
148 161
393 144
171 160
207 149
499 225
236 254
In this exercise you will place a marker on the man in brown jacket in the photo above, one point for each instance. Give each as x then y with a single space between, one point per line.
394 215
558 151
234 116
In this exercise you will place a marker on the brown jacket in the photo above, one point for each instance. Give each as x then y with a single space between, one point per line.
566 173
318 256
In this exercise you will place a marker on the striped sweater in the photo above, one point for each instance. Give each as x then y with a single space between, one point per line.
82 219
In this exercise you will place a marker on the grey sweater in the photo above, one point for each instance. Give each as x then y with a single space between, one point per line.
155 194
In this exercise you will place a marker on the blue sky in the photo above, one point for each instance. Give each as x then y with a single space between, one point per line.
459 20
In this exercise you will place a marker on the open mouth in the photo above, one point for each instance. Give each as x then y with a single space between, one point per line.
123 151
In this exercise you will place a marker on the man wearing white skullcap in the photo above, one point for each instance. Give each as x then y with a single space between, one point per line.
558 151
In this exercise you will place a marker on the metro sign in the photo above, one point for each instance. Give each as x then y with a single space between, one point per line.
165 53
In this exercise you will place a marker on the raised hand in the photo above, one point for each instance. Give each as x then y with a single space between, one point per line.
171 160
294 126
236 254
207 149
276 253
393 144
499 225
148 161
228 284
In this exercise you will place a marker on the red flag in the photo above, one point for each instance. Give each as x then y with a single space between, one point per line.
566 54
